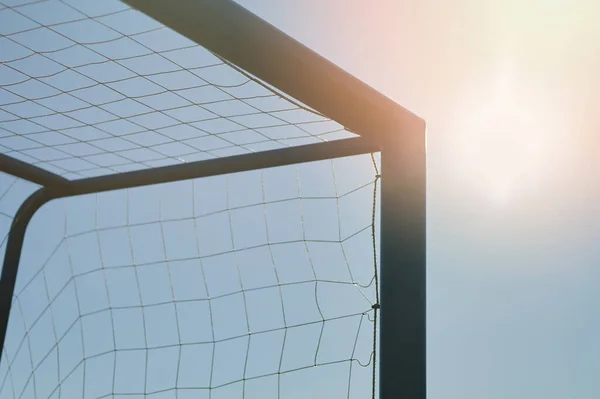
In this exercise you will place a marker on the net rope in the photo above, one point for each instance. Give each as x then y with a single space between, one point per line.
253 285
90 88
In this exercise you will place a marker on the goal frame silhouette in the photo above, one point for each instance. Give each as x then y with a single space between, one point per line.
242 38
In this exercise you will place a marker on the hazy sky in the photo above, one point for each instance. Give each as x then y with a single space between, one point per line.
508 91
513 274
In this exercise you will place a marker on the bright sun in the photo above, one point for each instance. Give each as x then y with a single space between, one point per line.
517 123
504 146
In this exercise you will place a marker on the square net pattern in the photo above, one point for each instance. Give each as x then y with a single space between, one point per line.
91 88
258 284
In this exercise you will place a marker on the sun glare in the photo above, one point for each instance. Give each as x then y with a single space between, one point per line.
504 145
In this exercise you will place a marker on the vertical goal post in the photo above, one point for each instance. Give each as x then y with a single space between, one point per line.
238 36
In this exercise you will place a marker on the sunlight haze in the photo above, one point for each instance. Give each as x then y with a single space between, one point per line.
509 92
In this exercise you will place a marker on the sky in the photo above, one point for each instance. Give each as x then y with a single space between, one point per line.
507 90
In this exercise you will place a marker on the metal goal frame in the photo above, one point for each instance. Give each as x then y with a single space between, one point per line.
242 38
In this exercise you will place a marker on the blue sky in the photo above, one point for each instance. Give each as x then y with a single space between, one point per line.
512 283
512 286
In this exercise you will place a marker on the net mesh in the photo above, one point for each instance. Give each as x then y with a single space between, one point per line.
91 88
252 285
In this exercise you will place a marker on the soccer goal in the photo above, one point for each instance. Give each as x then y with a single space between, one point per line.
195 205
